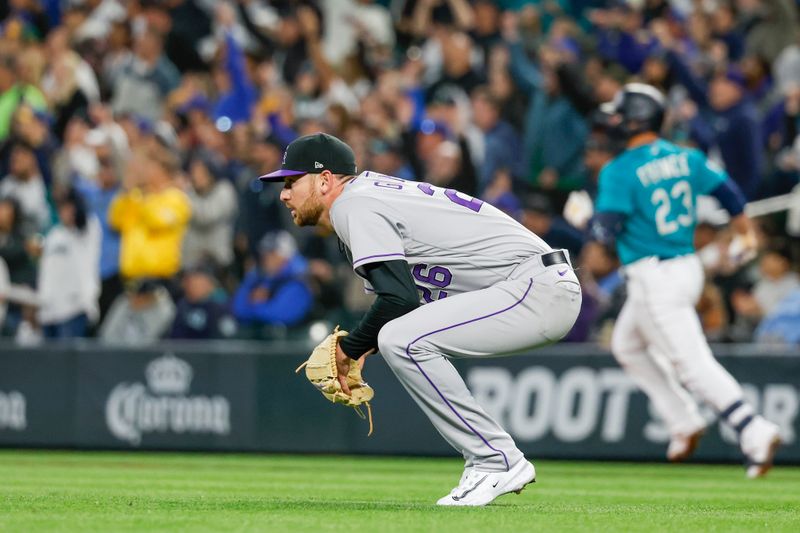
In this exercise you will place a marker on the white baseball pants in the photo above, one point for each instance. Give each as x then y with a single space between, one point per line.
659 341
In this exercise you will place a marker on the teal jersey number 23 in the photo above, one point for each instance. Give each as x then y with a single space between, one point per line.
655 186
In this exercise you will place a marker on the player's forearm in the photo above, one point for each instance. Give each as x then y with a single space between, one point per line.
730 197
605 226
397 295
365 336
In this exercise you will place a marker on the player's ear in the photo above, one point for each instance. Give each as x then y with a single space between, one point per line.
325 181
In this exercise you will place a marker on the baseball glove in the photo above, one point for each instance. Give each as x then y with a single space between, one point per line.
321 372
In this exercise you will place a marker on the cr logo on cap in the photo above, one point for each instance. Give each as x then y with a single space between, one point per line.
317 164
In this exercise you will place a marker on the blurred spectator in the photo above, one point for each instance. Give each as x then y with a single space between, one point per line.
554 129
5 284
69 271
13 93
141 83
502 144
184 24
17 253
386 157
726 119
773 26
276 291
486 32
14 248
237 93
777 280
99 196
95 17
260 209
444 166
712 312
24 183
429 16
599 150
65 95
450 106
141 315
213 204
540 217
781 325
74 68
603 294
318 85
726 28
457 69
619 36
32 128
202 313
350 23
151 215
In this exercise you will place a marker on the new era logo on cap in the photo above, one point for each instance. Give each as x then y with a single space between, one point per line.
313 153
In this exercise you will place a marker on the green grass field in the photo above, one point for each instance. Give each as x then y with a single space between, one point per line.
113 492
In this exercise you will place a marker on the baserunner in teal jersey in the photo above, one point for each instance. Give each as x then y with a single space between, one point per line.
656 186
646 206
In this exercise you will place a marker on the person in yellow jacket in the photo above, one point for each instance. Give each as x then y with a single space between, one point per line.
151 215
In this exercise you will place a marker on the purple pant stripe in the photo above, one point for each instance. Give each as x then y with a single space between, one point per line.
408 354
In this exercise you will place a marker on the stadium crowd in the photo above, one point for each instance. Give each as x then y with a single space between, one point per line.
132 133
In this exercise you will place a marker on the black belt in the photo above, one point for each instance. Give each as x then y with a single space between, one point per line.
554 258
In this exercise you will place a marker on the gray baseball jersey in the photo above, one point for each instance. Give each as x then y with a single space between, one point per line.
454 243
487 291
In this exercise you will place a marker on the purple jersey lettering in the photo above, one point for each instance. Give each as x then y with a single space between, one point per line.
437 276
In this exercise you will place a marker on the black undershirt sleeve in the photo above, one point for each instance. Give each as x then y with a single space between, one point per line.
396 296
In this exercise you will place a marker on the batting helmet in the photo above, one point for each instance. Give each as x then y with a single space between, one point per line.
636 108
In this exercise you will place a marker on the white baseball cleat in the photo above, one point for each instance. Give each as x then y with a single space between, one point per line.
760 440
478 488
461 481
681 447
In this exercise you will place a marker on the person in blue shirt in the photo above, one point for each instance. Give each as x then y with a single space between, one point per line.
780 326
276 292
98 196
646 208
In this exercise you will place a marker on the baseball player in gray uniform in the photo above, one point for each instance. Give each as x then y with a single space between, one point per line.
454 277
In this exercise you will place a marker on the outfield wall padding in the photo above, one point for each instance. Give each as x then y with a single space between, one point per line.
569 401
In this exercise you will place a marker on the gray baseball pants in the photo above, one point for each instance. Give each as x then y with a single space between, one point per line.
536 306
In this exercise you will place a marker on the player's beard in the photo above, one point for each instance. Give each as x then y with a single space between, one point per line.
309 213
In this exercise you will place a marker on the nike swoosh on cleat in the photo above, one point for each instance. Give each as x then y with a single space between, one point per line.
495 483
562 272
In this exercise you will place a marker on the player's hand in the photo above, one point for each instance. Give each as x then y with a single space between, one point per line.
579 209
743 248
342 368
